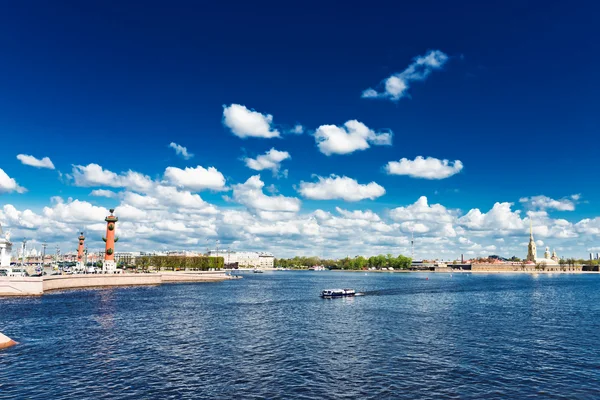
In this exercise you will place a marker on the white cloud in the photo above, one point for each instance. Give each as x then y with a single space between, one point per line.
426 168
26 219
250 194
168 219
140 201
422 211
74 211
340 187
349 138
248 123
94 175
103 193
297 129
8 184
170 196
544 202
271 160
500 217
34 162
195 179
156 215
127 212
420 217
181 151
366 215
396 86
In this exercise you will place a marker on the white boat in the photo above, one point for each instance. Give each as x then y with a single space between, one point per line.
257 271
331 293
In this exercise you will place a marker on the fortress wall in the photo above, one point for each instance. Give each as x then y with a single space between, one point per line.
527 268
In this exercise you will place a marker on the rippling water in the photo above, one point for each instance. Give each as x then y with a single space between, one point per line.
271 336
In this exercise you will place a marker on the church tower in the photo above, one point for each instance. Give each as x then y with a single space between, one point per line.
531 249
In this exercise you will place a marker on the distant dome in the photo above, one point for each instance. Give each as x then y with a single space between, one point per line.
547 261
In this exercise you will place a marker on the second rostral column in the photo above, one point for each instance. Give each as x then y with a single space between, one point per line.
80 250
109 264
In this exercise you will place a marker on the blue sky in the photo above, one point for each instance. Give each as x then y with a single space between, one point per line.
509 92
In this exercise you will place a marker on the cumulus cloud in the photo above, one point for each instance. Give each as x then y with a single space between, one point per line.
396 86
340 187
248 123
34 162
195 179
421 217
353 136
271 160
103 193
500 217
181 151
366 215
544 202
74 211
8 184
168 219
420 210
426 168
250 194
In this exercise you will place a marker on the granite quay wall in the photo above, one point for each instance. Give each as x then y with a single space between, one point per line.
17 286
82 281
21 286
210 276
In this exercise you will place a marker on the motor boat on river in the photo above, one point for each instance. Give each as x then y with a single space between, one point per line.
332 293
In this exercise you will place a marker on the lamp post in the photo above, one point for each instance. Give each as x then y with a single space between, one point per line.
23 254
44 245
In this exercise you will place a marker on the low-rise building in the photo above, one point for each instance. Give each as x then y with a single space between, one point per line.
245 258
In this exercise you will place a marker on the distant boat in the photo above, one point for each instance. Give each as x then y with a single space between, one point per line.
332 293
257 271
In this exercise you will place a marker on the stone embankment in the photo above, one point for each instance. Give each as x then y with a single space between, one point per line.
35 286
5 342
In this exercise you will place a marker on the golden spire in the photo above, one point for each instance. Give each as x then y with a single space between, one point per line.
530 227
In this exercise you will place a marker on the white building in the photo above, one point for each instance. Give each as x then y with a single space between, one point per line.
245 258
5 248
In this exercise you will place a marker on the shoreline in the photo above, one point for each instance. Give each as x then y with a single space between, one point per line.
469 272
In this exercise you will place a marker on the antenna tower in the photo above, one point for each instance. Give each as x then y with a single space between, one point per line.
412 244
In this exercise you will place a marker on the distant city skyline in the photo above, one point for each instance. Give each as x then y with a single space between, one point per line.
315 130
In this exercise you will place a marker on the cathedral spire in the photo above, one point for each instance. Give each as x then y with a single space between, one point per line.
530 228
531 249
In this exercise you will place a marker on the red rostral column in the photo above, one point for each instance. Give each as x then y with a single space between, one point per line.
80 251
109 264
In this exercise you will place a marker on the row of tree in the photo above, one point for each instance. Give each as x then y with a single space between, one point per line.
179 263
358 262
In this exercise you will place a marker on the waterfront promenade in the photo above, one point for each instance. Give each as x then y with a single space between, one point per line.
35 286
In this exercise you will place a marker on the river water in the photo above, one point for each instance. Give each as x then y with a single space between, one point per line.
269 336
